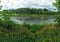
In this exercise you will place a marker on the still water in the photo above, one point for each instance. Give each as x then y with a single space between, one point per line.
34 20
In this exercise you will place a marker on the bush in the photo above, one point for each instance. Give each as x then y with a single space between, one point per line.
58 20
7 23
1 22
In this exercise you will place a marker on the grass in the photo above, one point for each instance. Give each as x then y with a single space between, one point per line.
31 15
28 33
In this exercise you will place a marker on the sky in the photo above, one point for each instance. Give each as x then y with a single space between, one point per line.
10 4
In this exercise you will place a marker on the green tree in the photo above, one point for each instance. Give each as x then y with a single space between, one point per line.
0 5
57 4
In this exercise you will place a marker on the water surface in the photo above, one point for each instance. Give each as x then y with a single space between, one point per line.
34 20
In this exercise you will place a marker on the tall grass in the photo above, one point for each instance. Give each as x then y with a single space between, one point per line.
11 32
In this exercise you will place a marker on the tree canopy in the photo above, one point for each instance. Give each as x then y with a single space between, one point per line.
0 5
57 4
28 11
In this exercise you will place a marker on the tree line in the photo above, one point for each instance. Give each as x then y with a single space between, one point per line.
28 11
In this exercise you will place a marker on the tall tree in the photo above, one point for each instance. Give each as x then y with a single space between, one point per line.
0 5
57 4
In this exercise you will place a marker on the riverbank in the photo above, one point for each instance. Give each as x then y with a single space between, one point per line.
30 33
41 19
12 32
30 15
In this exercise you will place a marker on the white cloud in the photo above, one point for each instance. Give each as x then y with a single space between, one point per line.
7 4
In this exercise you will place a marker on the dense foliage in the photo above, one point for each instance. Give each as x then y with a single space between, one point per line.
6 23
30 33
57 4
58 21
28 11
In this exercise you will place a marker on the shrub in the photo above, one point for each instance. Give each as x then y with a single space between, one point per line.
58 20
7 23
1 22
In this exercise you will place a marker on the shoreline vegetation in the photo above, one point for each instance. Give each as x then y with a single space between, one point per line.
11 32
29 15
29 33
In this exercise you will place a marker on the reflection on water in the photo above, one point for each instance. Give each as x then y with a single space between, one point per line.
34 20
